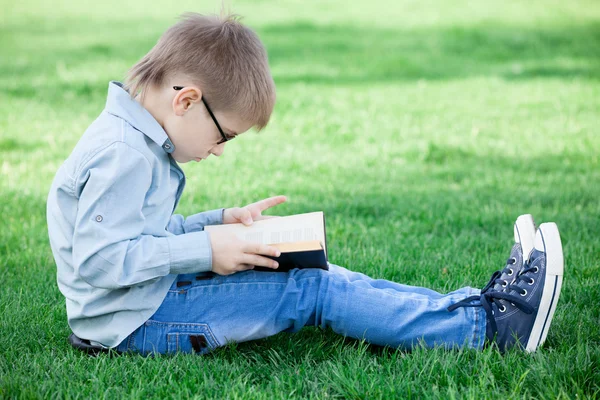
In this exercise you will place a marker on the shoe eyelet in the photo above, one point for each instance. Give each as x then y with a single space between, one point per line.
532 282
513 260
511 272
502 309
504 283
536 270
524 294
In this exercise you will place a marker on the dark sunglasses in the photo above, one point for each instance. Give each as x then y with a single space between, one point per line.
223 137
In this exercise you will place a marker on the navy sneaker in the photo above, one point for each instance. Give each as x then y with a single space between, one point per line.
524 233
521 313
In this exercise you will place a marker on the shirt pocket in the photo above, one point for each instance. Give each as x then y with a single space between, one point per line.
190 338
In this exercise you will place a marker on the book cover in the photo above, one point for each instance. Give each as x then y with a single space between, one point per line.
308 254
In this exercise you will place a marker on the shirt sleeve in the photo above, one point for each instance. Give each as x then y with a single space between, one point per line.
194 223
109 247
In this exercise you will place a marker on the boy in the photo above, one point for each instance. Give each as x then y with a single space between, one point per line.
138 278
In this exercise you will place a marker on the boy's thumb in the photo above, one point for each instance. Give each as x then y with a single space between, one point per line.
246 217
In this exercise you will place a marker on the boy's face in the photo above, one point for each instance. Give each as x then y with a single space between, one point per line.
193 132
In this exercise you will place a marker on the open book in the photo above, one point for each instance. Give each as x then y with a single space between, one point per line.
300 238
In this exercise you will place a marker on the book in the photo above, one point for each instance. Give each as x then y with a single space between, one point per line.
301 238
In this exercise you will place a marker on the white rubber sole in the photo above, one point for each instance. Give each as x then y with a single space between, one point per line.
547 239
524 231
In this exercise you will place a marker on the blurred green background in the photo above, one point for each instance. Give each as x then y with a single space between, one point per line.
421 128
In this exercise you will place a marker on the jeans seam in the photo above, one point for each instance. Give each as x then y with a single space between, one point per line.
238 284
227 284
477 331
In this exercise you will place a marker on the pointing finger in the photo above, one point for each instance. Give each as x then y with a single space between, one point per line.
270 202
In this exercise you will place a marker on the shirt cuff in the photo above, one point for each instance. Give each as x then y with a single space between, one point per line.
190 253
197 222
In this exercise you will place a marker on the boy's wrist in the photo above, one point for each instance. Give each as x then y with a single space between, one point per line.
197 222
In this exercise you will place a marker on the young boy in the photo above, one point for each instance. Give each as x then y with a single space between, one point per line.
137 277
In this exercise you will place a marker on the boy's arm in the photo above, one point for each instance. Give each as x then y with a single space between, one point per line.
109 249
245 215
194 223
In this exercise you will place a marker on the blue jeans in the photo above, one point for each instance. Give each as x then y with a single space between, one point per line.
205 310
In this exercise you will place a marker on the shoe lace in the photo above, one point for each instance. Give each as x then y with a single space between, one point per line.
489 297
495 279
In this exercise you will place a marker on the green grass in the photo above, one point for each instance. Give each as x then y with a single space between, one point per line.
422 129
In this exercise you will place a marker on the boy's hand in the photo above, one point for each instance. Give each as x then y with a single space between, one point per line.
230 254
252 212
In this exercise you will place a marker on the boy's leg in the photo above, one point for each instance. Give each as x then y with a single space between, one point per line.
207 310
200 314
386 284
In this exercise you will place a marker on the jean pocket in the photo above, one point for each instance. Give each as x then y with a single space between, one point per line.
190 338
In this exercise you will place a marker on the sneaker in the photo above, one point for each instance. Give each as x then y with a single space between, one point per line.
524 233
521 314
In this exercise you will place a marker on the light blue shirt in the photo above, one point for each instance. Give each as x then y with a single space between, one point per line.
117 244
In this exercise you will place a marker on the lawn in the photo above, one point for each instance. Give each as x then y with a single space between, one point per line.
421 128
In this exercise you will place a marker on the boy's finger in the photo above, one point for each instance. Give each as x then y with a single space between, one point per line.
242 215
245 216
259 261
270 202
258 248
246 267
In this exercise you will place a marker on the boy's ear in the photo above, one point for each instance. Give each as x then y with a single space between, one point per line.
186 98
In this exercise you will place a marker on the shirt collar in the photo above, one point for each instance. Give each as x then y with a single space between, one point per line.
120 103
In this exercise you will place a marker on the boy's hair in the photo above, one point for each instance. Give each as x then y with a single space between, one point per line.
223 57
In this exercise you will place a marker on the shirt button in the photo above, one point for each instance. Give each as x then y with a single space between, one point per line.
167 146
99 218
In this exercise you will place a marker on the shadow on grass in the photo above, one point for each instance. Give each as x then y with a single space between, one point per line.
344 54
308 53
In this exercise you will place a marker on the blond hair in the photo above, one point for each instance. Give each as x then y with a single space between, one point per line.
223 57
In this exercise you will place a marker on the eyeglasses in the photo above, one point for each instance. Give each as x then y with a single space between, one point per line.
223 137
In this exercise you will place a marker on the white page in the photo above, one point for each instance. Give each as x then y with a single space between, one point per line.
292 228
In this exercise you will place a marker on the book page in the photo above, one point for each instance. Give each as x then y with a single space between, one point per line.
292 228
298 246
